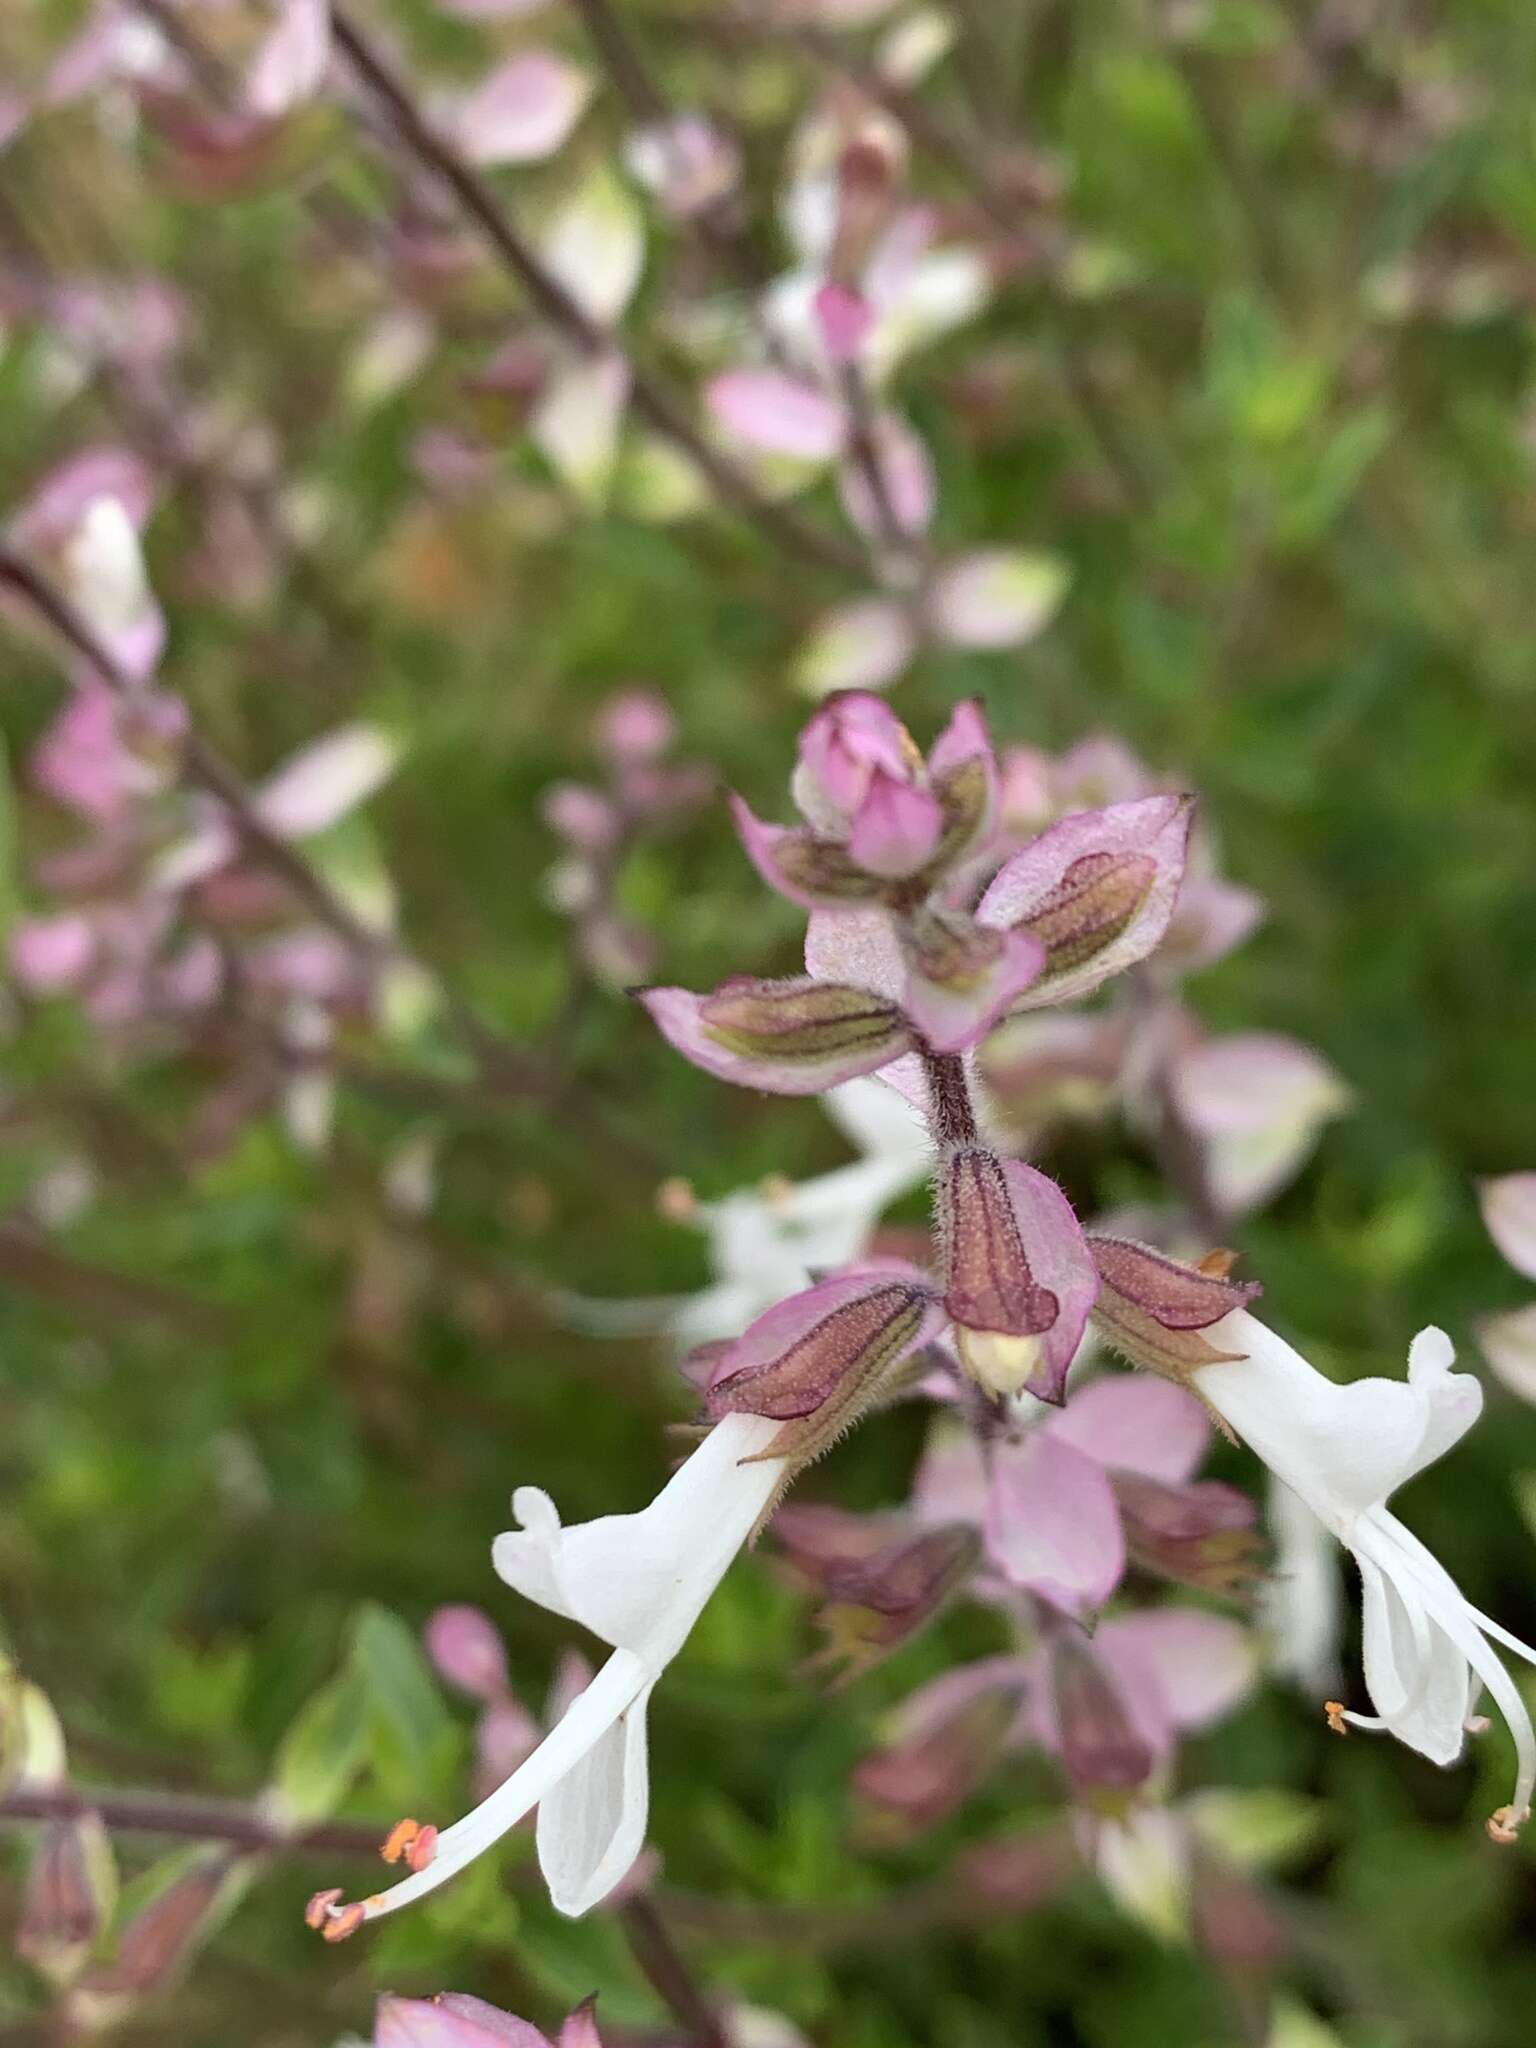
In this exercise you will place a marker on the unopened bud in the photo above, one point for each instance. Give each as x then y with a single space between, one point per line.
71 1886
878 1589
926 1774
159 1939
999 1309
1201 1534
818 1360
1153 1308
1105 1755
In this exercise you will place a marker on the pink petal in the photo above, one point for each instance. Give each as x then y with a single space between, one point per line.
523 111
845 318
1060 1260
777 414
1135 1423
997 598
453 2020
1052 1525
1142 844
1509 1211
1177 1666
896 828
951 1481
580 2030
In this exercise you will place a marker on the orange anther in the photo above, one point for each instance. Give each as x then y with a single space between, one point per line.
1505 1825
423 1849
318 1911
398 1841
1334 1709
344 1920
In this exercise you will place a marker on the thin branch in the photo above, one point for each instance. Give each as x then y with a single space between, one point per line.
668 1974
649 398
242 1826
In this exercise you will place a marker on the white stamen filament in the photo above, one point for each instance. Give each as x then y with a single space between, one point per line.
589 1717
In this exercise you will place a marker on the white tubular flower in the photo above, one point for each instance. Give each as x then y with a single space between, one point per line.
1345 1450
1301 1602
640 1582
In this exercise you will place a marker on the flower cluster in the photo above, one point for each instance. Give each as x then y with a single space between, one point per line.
928 928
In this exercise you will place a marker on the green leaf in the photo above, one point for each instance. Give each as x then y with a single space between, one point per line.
408 1721
323 1750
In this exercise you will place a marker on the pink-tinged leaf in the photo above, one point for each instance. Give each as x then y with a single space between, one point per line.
1052 1526
523 111
788 1038
1509 1211
804 1353
1213 919
859 947
865 645
1508 1343
812 872
1019 1281
906 472
52 954
1257 1102
466 1647
998 598
777 414
963 977
1178 1669
321 785
1135 1425
1099 890
453 2020
290 65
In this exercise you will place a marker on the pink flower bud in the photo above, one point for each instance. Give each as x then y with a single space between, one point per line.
1202 1534
465 1646
582 816
845 318
452 2020
49 954
853 738
636 726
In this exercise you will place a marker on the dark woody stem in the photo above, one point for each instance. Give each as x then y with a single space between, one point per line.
242 1826
951 1112
668 1974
